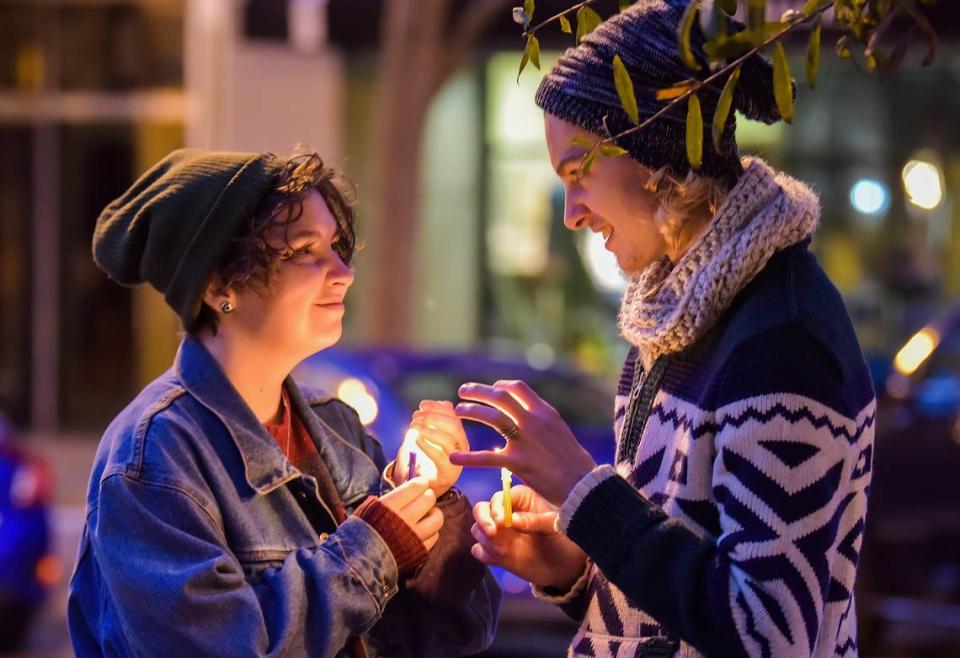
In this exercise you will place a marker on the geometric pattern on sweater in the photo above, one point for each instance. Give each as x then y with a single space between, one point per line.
779 481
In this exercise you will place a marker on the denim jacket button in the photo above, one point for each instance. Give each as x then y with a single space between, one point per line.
324 535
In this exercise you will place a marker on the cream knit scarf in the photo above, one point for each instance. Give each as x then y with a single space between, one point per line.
667 307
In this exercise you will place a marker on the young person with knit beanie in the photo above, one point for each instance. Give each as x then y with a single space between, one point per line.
731 522
232 512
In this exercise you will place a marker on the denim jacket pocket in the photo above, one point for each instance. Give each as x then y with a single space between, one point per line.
255 562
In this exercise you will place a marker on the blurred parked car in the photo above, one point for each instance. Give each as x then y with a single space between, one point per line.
27 569
909 573
385 387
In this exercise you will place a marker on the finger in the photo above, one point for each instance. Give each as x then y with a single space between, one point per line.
523 497
447 421
430 524
491 546
484 458
499 398
496 507
541 523
438 437
484 519
435 405
406 493
430 542
483 414
480 554
438 456
398 469
521 391
418 508
478 534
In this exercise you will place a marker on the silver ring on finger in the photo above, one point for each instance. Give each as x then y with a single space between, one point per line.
512 433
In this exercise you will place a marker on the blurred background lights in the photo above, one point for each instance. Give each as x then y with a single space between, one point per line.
355 393
923 183
601 264
912 355
869 196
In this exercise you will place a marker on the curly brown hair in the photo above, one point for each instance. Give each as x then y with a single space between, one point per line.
252 259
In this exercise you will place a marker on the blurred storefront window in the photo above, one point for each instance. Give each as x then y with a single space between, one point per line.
90 95
15 210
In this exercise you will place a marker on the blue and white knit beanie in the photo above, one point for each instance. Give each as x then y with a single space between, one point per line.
580 88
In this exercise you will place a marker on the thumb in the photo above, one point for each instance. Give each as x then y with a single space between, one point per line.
524 499
540 523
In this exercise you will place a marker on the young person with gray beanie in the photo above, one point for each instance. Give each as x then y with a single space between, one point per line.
232 512
732 519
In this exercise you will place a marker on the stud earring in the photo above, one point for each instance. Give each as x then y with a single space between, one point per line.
226 307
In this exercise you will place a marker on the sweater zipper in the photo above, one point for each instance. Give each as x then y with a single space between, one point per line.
639 406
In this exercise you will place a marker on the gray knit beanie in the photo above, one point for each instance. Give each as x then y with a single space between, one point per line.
580 88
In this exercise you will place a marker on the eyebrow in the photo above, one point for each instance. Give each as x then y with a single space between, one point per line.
307 235
575 153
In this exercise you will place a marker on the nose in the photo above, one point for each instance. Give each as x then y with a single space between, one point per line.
340 274
575 214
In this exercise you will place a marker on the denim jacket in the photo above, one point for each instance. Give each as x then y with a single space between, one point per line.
201 538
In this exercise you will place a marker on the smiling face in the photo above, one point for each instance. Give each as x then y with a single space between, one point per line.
301 311
610 200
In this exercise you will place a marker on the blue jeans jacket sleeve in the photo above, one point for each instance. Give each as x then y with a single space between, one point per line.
182 604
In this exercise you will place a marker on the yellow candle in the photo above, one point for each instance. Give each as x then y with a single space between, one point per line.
505 477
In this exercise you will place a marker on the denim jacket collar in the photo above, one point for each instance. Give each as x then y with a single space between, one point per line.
265 466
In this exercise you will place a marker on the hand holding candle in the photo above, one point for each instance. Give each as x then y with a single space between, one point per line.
435 432
530 547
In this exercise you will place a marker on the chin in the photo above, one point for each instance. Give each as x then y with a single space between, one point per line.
327 338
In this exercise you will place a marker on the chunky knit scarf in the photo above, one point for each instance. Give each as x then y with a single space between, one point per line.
667 307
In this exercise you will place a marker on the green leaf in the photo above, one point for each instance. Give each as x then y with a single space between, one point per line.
811 7
782 85
683 35
694 132
524 60
612 151
588 162
624 85
583 141
669 93
813 55
723 108
533 45
528 6
565 25
756 13
623 4
729 47
587 21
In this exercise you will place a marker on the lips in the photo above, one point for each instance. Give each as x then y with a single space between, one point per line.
607 233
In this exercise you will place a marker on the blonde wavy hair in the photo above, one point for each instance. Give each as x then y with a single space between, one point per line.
682 199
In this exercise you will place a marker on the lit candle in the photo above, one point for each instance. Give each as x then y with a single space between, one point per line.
505 477
412 468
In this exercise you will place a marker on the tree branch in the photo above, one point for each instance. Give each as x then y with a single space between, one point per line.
706 81
556 17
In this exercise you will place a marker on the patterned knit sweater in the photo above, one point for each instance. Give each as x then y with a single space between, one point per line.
732 522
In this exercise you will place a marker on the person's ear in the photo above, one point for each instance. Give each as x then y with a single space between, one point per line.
221 300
